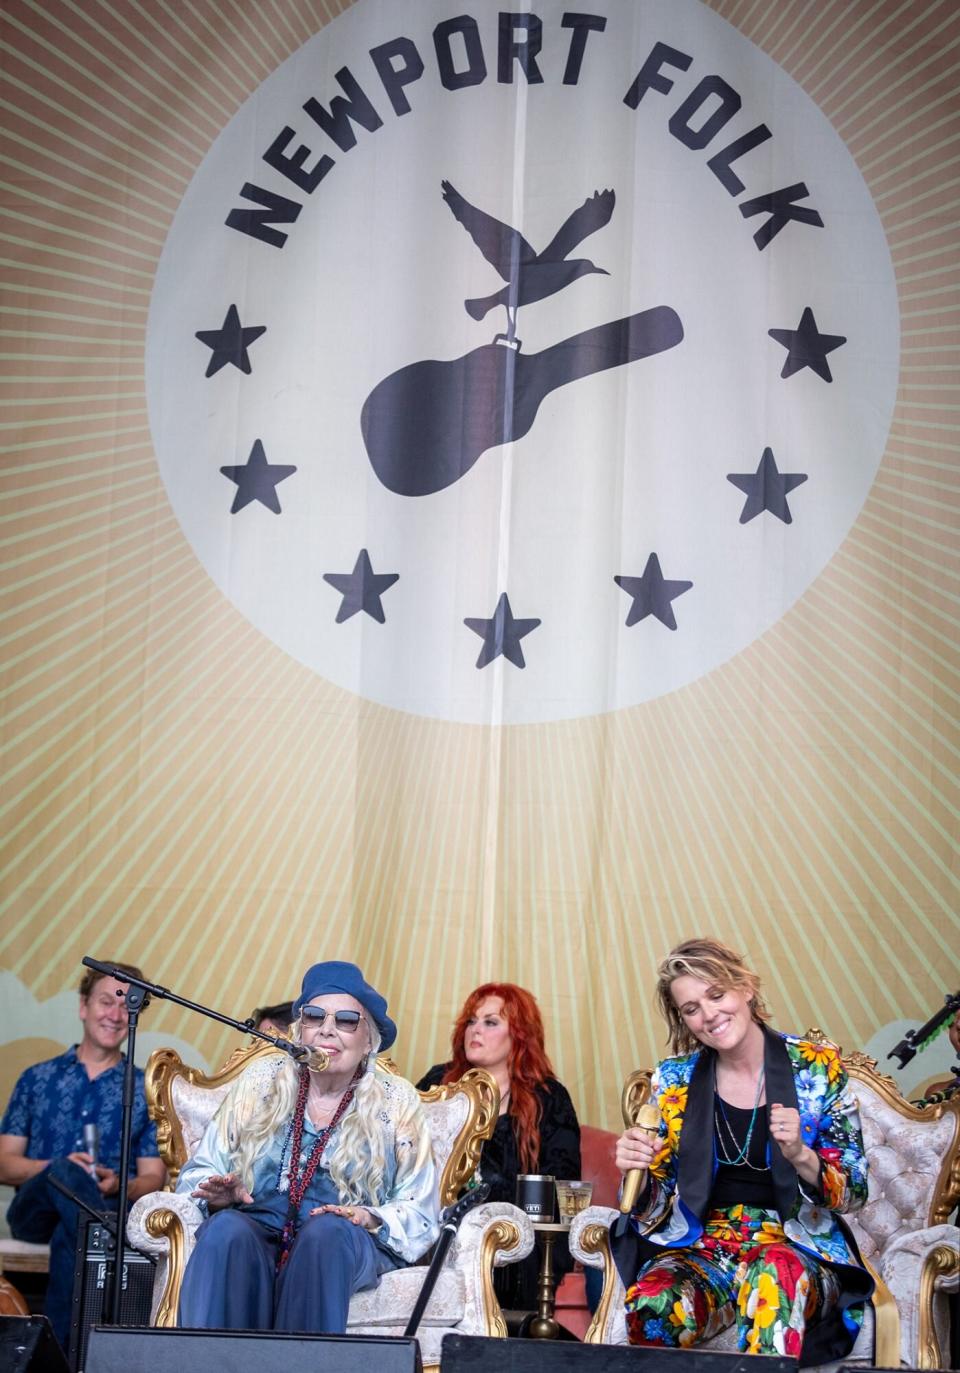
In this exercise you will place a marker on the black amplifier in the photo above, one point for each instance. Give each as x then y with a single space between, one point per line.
95 1250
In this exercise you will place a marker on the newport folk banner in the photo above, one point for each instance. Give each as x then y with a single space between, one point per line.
519 365
480 499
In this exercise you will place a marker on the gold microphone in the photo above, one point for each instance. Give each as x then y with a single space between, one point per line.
317 1060
648 1120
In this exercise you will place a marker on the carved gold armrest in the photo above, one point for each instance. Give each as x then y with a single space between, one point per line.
165 1224
918 1265
941 1267
590 1243
489 1237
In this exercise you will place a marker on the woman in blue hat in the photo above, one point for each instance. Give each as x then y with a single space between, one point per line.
314 1183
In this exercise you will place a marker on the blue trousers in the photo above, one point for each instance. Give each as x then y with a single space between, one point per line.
40 1214
231 1282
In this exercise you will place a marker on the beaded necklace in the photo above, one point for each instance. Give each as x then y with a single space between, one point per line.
300 1174
740 1151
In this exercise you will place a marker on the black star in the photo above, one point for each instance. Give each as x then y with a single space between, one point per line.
361 589
501 634
230 342
652 594
257 480
806 346
766 489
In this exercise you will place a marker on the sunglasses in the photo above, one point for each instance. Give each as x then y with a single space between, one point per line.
345 1021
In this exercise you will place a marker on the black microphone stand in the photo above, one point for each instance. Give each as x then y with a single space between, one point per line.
138 993
915 1040
103 1218
450 1219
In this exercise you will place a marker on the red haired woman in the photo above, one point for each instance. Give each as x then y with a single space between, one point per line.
500 1029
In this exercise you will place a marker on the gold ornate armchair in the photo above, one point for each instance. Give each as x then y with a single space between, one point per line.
182 1101
902 1230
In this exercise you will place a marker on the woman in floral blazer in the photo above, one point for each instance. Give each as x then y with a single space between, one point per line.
757 1157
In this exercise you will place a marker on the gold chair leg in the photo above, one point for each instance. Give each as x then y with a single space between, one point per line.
886 1322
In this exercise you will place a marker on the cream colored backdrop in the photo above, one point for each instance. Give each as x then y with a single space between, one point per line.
179 792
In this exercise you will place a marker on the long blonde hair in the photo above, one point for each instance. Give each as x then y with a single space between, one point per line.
708 961
262 1102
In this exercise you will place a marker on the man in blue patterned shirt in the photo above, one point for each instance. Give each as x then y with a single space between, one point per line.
42 1137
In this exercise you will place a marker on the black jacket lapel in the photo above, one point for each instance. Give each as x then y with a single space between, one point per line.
781 1088
695 1156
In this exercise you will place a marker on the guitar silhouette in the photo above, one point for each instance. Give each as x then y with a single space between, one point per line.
426 424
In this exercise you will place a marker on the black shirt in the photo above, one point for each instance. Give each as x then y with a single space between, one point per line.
736 1184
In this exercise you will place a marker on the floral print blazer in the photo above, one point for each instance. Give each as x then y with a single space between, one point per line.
799 1073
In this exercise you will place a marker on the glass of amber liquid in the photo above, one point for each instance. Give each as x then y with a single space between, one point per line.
572 1197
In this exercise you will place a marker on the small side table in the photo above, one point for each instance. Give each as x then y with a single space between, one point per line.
544 1325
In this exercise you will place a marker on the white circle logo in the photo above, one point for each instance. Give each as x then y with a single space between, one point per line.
516 367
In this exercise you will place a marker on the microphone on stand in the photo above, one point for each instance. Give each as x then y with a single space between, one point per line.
91 1145
915 1040
318 1060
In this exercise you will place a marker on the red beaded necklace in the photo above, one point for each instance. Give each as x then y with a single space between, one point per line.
301 1175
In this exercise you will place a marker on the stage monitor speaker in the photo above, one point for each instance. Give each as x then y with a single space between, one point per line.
478 1354
28 1345
93 1267
113 1349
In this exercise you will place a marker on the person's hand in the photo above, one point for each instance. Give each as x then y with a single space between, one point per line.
785 1131
107 1180
219 1192
636 1149
357 1215
96 1171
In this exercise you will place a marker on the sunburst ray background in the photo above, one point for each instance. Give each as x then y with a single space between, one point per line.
179 792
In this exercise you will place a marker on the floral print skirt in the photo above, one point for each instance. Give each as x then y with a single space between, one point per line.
742 1271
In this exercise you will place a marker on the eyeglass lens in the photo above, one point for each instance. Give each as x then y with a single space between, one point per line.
344 1020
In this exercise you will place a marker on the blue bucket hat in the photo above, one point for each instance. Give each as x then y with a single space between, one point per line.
347 978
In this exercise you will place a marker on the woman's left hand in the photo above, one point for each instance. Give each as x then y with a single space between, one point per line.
357 1215
785 1130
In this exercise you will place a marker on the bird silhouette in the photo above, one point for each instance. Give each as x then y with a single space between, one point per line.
529 275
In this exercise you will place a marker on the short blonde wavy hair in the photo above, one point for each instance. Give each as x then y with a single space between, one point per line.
712 962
